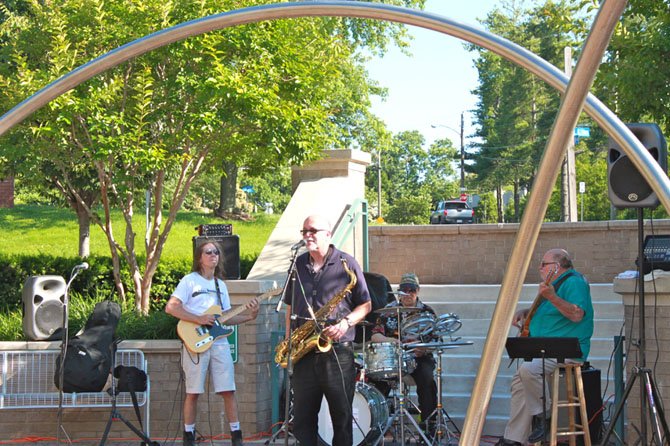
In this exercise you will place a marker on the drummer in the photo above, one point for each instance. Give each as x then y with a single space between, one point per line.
386 330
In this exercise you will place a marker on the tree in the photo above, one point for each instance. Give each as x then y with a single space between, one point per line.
254 96
515 110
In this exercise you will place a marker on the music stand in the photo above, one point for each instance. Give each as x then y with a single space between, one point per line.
529 348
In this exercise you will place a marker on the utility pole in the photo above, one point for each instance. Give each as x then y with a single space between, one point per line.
462 157
568 175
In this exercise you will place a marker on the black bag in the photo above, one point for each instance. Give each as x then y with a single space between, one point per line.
88 358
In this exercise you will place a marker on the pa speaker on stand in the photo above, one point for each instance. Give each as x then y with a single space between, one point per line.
626 186
43 298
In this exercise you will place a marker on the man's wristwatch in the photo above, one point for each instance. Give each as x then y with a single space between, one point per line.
349 324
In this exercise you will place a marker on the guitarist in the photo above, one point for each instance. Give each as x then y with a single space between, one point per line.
195 294
564 310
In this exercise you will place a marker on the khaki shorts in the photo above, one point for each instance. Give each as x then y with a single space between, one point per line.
217 360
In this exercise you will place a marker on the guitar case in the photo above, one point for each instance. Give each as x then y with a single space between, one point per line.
88 355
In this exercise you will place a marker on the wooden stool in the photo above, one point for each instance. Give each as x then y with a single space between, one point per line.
573 376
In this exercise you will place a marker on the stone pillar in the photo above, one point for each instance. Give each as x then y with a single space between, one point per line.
657 342
335 163
326 187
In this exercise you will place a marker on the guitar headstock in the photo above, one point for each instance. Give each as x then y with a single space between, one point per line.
276 291
551 275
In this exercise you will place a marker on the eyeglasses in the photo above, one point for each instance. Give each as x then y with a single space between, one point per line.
211 252
408 289
311 231
543 264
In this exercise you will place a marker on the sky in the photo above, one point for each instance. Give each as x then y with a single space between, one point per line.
431 87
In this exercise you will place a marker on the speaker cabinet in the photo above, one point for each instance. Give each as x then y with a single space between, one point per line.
594 404
230 244
626 186
43 300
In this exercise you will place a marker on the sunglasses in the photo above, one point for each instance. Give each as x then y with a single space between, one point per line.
408 289
211 251
311 231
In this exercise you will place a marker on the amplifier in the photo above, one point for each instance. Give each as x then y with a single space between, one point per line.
230 244
214 230
656 252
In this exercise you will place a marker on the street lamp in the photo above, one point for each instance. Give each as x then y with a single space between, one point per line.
462 148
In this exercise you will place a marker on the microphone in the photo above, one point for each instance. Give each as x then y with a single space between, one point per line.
298 245
281 301
82 266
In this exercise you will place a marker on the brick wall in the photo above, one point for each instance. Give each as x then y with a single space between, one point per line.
478 254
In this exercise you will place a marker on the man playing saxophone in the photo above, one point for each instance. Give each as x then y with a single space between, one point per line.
329 280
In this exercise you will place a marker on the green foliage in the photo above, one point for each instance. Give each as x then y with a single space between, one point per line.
132 325
410 210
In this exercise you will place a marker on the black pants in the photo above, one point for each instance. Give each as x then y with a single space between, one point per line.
316 375
426 388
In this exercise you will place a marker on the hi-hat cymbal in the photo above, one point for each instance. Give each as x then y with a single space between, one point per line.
442 345
396 310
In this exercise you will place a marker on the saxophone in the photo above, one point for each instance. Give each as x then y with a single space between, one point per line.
307 337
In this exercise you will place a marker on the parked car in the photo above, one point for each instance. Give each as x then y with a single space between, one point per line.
452 211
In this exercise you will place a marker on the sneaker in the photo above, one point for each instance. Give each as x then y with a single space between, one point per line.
189 438
236 438
540 428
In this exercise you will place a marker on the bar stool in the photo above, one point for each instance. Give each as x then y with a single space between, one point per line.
573 379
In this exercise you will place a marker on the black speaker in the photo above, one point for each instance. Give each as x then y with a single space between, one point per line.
43 300
230 244
626 186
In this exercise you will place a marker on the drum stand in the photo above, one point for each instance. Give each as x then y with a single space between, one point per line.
440 415
401 413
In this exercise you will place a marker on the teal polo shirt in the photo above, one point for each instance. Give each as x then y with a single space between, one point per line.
549 322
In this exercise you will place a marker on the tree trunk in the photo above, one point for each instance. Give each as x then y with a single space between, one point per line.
228 188
84 221
499 204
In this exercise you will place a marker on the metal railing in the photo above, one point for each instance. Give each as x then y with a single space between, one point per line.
347 226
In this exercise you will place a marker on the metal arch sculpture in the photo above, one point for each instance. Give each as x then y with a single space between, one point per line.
575 97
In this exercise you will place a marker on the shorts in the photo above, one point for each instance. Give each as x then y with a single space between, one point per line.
217 360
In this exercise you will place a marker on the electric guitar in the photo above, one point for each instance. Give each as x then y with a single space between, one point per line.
199 338
525 329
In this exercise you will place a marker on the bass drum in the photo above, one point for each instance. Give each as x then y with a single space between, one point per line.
370 412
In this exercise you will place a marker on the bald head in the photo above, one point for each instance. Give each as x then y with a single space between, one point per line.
560 256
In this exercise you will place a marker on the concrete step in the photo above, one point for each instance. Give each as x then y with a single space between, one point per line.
474 305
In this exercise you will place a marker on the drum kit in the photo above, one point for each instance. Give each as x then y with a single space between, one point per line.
376 415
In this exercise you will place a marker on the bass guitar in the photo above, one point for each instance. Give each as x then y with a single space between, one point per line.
525 329
199 338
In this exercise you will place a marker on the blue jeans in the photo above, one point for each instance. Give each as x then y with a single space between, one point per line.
333 375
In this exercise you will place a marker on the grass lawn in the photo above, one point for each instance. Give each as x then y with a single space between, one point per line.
29 229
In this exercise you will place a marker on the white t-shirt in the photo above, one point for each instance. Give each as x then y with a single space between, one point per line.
197 294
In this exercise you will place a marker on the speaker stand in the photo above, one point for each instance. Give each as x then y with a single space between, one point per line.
63 350
648 390
116 415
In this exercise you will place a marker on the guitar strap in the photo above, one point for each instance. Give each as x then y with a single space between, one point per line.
218 291
560 281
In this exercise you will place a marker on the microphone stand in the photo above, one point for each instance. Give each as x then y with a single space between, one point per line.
289 362
63 349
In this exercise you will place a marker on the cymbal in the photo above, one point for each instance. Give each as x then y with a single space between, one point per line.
429 345
395 310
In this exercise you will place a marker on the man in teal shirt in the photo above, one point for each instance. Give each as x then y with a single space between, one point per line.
565 310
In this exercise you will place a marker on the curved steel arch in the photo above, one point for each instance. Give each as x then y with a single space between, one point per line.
510 51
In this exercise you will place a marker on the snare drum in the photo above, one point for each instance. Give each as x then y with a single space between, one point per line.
370 413
381 361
